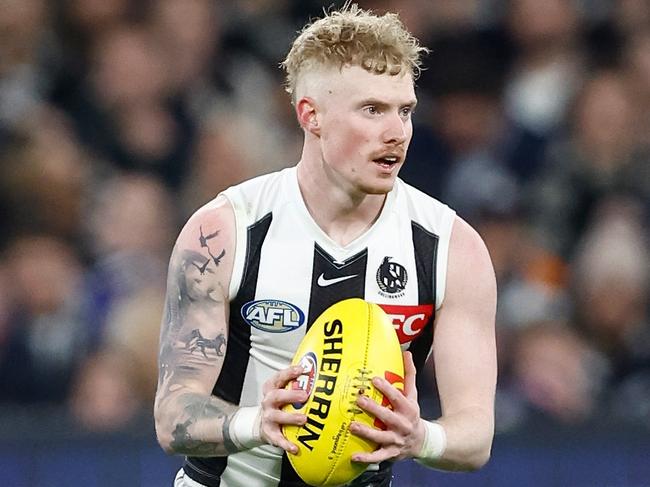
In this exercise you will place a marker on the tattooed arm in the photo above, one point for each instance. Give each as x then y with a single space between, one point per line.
189 420
193 342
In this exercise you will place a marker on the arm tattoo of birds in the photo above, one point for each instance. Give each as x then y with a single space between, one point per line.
203 267
203 240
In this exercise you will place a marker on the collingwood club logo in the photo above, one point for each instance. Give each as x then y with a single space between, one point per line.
391 278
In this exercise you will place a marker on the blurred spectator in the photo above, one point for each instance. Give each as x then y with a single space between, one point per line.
132 326
637 58
190 35
43 177
125 110
104 398
6 306
131 229
555 378
47 338
79 24
612 290
24 73
422 16
531 284
132 213
532 297
454 15
548 65
599 157
261 28
88 18
224 156
467 157
632 16
116 385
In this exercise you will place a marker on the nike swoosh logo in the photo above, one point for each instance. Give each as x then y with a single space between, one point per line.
324 282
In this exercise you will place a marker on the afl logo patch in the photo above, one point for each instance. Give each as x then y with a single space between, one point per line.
391 278
272 315
305 382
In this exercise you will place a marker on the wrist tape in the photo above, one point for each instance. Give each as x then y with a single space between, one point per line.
435 442
245 428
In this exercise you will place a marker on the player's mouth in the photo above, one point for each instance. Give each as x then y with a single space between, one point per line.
387 161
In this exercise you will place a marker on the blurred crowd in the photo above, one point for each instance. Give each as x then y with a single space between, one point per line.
118 118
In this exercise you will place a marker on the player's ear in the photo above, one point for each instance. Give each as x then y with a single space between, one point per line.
307 113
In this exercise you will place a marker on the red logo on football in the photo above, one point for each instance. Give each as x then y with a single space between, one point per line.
409 321
305 382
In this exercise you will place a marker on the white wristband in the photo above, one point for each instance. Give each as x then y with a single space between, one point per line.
245 427
433 447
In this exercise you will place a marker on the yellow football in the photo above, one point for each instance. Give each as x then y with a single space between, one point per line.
349 343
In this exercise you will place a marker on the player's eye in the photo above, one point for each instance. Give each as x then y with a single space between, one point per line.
372 109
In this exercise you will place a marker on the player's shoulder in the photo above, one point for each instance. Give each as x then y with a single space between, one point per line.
217 210
468 253
223 207
214 219
262 184
207 241
425 210
418 198
259 196
465 238
244 200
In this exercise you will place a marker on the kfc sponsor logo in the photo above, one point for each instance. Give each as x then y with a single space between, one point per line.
409 321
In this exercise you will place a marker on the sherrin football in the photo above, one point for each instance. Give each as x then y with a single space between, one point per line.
349 344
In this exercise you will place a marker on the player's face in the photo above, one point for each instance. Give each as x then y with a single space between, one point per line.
366 127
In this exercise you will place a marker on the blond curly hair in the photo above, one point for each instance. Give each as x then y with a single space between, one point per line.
355 37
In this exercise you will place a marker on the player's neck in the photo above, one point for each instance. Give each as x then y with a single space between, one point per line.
343 215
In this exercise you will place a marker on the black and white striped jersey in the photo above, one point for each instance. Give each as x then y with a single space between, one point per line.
287 271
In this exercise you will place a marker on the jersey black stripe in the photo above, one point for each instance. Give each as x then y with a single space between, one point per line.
324 294
329 290
425 245
206 471
231 380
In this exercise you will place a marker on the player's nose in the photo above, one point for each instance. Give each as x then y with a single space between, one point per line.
395 130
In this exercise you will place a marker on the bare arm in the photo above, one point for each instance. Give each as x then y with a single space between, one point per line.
465 352
193 343
194 330
465 361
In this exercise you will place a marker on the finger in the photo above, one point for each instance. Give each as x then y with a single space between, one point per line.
274 435
376 456
279 397
410 389
282 378
282 417
394 395
281 441
382 413
380 437
369 405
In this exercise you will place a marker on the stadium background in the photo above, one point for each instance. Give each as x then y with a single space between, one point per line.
118 118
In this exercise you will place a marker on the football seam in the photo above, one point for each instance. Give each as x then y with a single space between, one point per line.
335 464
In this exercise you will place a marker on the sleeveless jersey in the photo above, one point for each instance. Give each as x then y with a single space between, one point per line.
287 271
